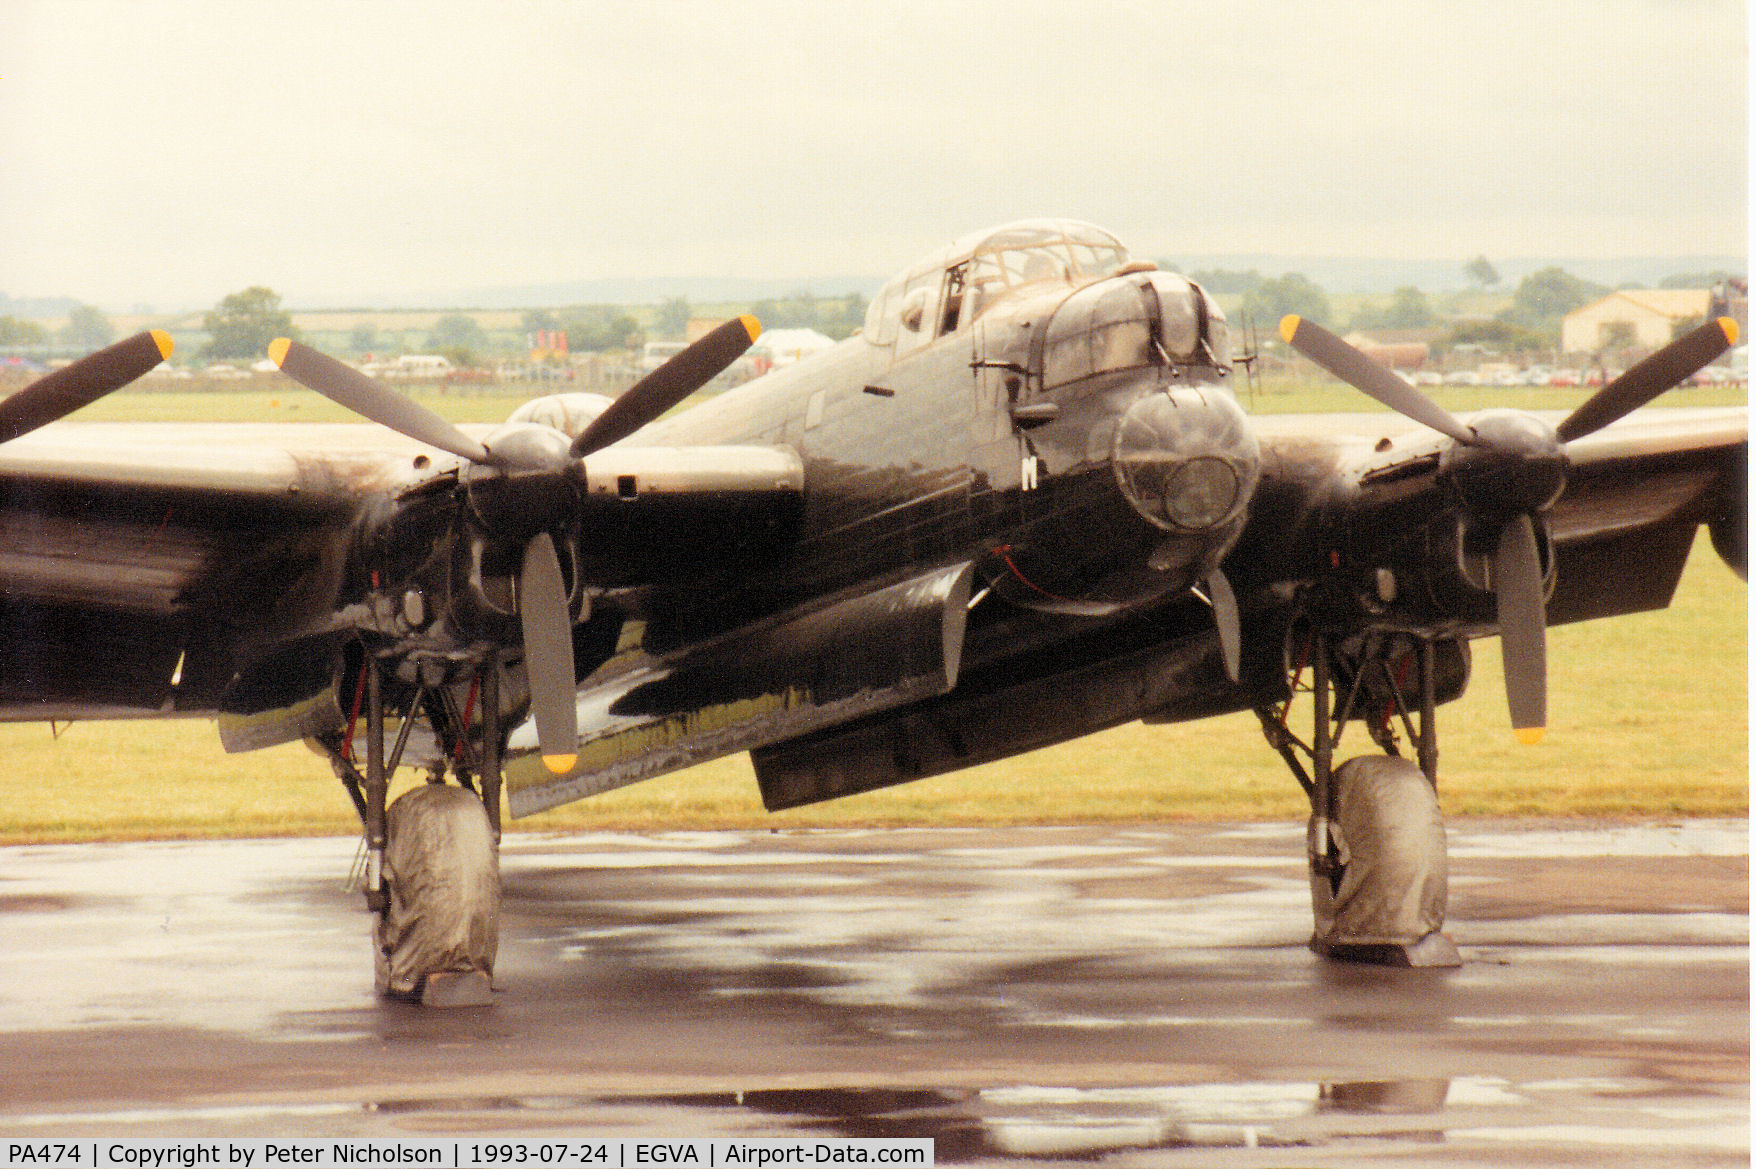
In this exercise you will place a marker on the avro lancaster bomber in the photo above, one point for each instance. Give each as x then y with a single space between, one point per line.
1021 505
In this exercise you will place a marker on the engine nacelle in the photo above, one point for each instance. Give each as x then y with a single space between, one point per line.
1458 566
1731 539
1730 525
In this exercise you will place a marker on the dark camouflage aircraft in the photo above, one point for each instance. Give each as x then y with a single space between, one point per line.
1023 504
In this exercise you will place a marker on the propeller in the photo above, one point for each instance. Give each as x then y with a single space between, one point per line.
1225 615
1370 378
669 384
1519 608
1651 377
523 484
548 653
81 383
1510 467
347 386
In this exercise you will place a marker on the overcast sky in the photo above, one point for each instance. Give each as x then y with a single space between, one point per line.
171 151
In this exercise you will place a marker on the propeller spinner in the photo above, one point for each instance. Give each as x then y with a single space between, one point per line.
1510 467
522 487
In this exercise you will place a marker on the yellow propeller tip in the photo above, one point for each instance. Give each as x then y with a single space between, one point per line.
1730 328
277 350
1529 736
752 326
1289 325
559 764
163 340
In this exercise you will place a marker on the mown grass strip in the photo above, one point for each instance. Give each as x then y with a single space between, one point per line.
1649 718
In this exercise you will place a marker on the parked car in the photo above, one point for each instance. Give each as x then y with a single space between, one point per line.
656 353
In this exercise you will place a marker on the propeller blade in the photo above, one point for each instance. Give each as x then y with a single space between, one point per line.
348 387
1518 596
83 382
1370 378
548 654
1667 368
669 384
1225 616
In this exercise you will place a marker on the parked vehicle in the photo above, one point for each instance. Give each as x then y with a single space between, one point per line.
656 353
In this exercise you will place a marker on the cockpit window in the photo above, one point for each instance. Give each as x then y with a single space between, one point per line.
1095 259
1027 255
1015 257
982 269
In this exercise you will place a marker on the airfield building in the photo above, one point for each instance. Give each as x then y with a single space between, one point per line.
1637 318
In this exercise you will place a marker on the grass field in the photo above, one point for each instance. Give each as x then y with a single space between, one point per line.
1283 396
270 398
1648 718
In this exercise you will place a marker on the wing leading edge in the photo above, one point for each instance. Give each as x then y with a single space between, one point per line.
1364 490
145 567
141 567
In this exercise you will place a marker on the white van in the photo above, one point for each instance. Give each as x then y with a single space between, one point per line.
656 353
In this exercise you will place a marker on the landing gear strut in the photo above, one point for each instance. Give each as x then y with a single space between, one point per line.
1375 843
432 858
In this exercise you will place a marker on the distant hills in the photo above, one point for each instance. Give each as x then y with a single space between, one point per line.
655 289
1353 274
1334 274
42 308
1343 274
1340 274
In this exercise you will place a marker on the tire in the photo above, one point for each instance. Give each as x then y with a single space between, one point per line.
1394 878
442 872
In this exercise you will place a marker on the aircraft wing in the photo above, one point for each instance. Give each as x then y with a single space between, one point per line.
1635 494
144 568
139 563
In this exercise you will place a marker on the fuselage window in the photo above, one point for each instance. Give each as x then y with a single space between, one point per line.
917 310
881 317
954 290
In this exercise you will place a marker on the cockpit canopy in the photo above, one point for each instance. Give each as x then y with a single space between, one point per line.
951 288
1027 253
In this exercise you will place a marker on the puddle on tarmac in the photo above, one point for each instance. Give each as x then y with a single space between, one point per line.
1038 1122
1067 1123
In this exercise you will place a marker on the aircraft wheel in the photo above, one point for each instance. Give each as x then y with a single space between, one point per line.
1388 904
437 939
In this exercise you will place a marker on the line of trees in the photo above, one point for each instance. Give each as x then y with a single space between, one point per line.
1531 318
243 323
86 328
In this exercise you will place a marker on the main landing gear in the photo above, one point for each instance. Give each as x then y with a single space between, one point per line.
432 872
1375 843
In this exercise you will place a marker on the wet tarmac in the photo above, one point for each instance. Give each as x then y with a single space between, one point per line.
1134 996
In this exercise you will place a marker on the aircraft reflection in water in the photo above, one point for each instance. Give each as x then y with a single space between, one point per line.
1022 505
